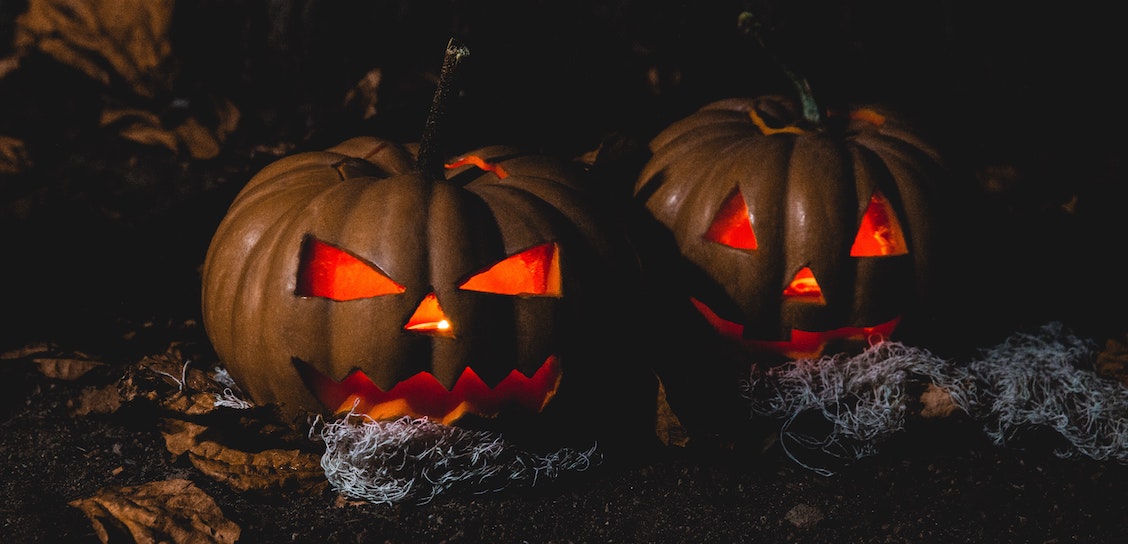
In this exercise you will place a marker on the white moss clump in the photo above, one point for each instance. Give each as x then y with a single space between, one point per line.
1029 381
387 462
1034 380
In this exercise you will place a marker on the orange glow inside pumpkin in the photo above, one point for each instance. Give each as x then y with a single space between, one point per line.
804 287
869 116
330 272
806 344
732 226
534 271
879 234
801 344
480 163
423 396
429 318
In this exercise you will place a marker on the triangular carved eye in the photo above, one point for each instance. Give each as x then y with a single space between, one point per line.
732 226
330 272
880 233
534 271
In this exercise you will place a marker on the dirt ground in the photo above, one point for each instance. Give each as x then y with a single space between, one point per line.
935 482
104 236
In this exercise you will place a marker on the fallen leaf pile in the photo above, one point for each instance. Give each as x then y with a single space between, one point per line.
124 45
116 42
247 448
273 470
203 418
168 511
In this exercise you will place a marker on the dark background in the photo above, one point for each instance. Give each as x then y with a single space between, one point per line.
1025 99
101 235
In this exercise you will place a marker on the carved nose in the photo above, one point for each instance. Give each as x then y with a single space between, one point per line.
804 287
429 318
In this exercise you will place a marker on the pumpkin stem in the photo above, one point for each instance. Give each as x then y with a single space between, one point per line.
749 24
430 159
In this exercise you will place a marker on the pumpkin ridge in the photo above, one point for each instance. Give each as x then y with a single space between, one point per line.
267 256
257 190
896 135
292 224
693 195
713 118
565 205
695 134
683 163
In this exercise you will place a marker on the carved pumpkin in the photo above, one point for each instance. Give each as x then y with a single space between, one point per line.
345 280
800 238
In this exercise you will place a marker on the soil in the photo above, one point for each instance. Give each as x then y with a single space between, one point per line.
104 238
935 482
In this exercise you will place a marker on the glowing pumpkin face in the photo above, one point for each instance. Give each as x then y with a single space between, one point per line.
343 280
799 239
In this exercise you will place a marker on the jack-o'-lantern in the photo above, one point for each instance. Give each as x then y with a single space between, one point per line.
802 235
346 280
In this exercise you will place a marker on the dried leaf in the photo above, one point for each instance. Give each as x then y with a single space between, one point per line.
8 65
105 39
1112 362
667 425
101 400
13 154
181 435
166 511
125 43
936 402
191 403
66 368
140 126
54 362
175 384
268 470
29 350
199 141
363 97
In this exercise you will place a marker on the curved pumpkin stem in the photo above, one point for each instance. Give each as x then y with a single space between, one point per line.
430 159
812 113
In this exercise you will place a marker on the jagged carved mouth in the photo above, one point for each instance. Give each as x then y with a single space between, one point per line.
802 344
423 396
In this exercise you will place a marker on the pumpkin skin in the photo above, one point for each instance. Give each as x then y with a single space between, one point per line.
798 240
419 248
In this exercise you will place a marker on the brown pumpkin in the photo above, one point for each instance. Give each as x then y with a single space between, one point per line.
799 238
345 280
